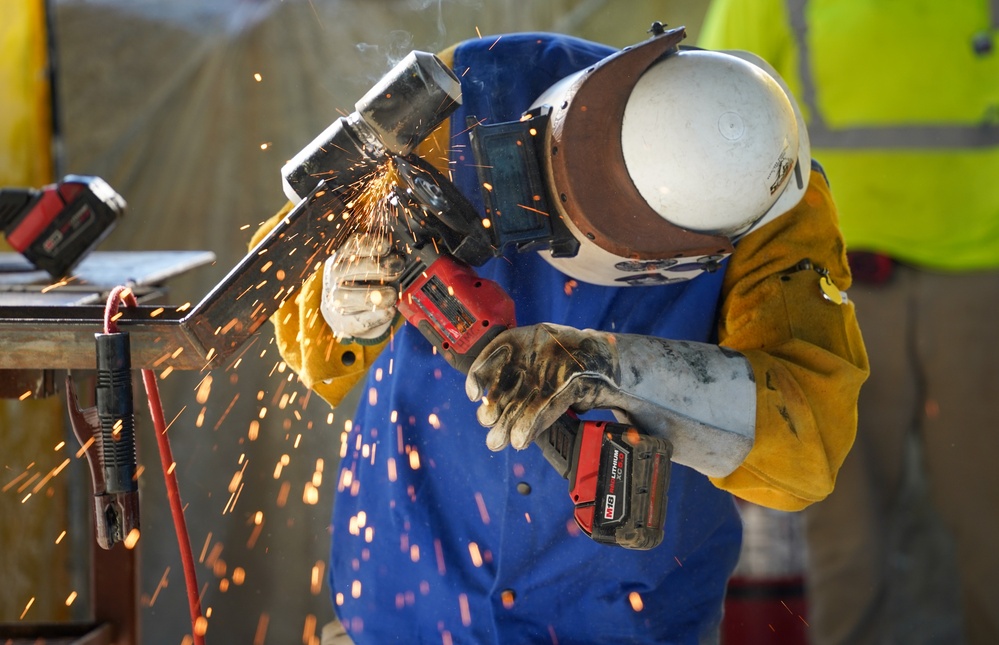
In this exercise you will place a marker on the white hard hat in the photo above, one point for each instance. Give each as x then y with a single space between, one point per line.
709 141
658 158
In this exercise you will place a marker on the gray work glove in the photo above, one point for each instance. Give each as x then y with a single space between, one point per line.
360 288
534 374
700 397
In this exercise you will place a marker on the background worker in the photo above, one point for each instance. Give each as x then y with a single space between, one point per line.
902 101
751 369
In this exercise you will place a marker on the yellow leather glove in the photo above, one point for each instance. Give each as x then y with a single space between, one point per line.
306 343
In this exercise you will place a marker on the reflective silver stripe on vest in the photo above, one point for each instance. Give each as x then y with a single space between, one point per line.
902 136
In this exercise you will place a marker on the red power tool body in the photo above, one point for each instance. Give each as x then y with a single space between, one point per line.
618 476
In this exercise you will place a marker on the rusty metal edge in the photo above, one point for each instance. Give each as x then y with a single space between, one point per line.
63 338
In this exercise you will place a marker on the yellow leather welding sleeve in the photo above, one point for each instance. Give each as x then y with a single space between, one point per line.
306 344
807 353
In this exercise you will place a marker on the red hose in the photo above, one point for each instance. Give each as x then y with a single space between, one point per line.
198 623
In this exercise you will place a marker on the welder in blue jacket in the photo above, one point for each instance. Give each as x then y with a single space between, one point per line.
748 360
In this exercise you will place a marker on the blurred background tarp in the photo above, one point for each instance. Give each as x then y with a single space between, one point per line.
189 108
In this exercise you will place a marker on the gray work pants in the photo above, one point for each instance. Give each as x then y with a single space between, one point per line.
892 549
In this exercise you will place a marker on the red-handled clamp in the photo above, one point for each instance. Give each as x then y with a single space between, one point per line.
106 434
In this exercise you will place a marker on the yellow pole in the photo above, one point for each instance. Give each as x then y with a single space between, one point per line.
33 510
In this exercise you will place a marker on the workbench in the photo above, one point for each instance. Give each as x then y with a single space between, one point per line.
31 358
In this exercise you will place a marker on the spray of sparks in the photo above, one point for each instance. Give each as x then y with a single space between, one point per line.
369 214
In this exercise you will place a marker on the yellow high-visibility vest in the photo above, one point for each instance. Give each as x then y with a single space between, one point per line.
902 102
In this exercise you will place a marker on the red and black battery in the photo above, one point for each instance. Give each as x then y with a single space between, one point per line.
54 227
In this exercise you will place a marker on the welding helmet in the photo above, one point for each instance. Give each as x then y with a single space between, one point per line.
656 159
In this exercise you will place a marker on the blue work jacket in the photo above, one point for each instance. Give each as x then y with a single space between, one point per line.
436 539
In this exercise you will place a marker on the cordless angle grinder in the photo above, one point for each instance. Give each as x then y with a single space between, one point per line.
618 476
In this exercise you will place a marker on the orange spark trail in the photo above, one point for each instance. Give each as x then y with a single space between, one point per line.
581 366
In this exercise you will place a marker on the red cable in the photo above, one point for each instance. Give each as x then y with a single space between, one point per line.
166 461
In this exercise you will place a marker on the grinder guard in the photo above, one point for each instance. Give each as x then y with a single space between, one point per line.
391 119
